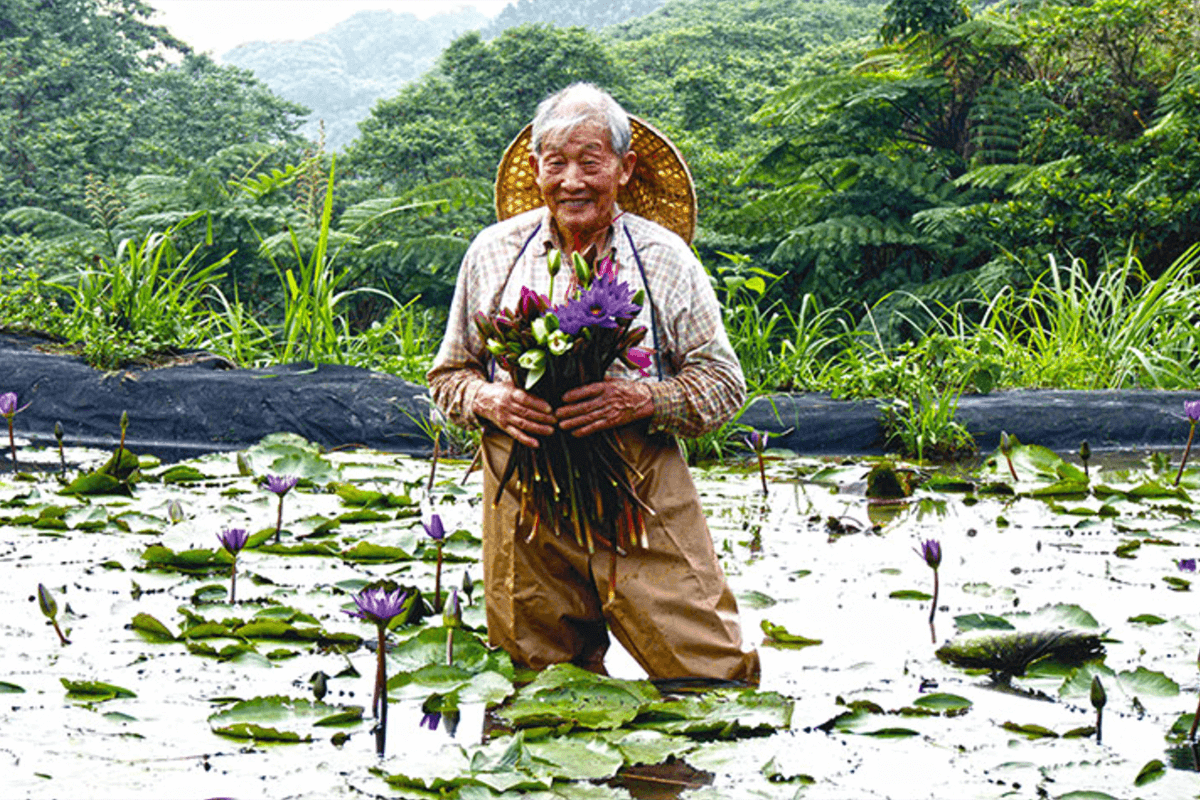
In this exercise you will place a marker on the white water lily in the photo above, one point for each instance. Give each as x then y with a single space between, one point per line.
559 343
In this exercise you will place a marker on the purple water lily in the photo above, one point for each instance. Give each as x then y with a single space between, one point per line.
8 410
379 605
280 485
1186 564
431 720
931 552
1191 412
233 540
603 305
437 532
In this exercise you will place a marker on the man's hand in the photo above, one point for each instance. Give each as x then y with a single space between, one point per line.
599 406
516 412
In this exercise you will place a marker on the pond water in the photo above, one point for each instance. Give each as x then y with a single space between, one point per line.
843 717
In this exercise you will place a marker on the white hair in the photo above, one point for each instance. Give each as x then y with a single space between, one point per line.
578 104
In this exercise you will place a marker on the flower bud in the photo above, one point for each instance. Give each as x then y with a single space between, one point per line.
554 262
124 421
1005 443
58 432
1098 696
46 602
583 273
1085 451
452 611
175 512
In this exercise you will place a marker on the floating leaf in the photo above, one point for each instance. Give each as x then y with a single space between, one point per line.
10 688
778 636
276 718
566 694
978 622
910 594
95 691
722 714
1148 619
151 628
182 473
942 702
1032 731
1151 772
367 553
1010 653
200 561
91 484
1148 682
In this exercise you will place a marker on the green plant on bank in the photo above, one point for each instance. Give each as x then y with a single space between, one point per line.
923 424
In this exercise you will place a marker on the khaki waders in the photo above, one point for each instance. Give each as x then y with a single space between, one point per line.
547 599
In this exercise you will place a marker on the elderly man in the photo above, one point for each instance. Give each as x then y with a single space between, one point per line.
672 608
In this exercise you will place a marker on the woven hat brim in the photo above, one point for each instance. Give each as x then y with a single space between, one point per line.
661 188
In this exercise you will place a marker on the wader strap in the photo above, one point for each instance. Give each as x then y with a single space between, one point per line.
649 298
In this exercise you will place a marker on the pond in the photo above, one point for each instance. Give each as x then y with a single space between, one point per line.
167 689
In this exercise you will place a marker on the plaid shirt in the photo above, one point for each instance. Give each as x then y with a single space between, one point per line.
702 384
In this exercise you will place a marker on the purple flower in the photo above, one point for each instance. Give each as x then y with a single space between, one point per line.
233 539
434 528
531 303
431 720
639 358
281 484
378 605
602 306
758 441
8 405
1187 564
1191 410
931 551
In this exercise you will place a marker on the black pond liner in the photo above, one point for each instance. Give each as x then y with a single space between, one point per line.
181 412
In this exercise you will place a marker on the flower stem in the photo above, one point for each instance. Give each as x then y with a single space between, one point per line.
449 647
437 581
1182 461
233 582
379 704
762 473
933 607
63 640
279 520
12 443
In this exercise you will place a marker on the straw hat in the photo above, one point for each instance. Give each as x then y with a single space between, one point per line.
661 188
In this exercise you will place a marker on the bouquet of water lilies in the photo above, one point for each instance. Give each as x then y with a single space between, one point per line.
577 485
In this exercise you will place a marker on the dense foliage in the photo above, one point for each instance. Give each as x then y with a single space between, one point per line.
867 173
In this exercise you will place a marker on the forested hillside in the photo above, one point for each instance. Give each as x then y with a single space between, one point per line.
850 148
338 75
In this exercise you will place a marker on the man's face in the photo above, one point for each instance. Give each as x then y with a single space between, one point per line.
579 176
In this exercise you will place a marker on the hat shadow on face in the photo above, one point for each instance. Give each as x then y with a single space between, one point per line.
661 188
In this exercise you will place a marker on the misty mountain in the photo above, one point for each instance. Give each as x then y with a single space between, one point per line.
340 74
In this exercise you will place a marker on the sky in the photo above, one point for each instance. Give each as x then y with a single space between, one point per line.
218 26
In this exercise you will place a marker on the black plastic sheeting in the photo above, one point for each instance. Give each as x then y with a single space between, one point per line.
179 412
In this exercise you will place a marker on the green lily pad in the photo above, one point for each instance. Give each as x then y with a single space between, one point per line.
1151 772
92 483
978 622
470 653
941 701
1031 731
778 636
564 694
1148 619
910 594
10 688
367 553
722 714
277 718
200 561
151 628
182 473
94 691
